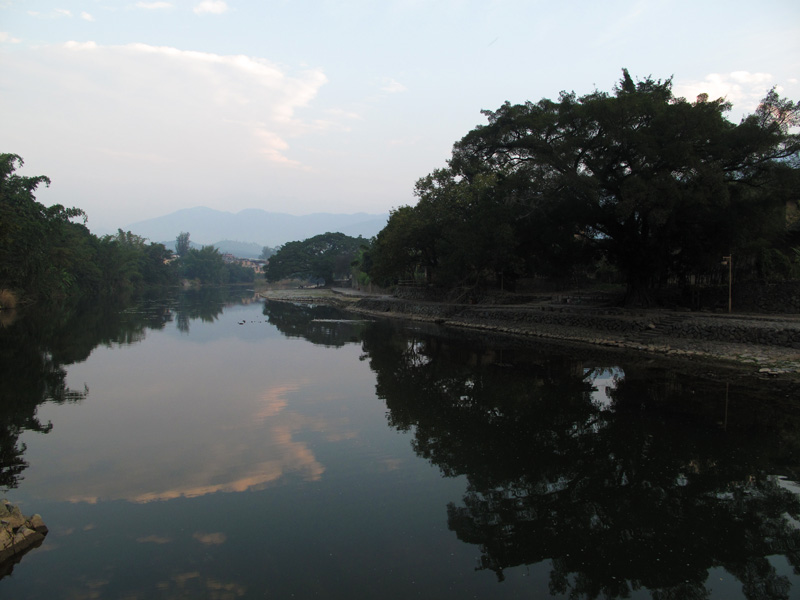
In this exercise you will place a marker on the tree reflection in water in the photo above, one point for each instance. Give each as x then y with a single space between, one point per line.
319 324
37 345
668 477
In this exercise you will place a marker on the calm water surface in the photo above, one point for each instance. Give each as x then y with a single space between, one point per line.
210 445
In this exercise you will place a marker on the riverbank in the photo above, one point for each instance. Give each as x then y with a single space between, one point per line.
766 344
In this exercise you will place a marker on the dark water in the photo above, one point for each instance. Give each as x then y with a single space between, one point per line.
208 445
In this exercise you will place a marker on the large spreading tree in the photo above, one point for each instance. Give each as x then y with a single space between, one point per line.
323 257
659 185
656 186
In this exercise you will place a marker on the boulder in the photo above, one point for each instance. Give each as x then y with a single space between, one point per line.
18 534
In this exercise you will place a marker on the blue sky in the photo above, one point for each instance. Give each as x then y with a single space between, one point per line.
136 109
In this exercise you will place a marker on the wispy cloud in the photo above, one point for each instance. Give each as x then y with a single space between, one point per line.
87 17
53 14
392 86
742 88
154 5
193 95
166 110
215 7
7 38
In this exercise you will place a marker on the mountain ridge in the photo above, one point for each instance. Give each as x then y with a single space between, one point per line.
207 226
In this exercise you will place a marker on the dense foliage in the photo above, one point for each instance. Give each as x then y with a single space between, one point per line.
655 186
207 265
45 254
324 257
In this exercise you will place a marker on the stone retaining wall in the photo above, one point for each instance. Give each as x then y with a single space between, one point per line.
695 326
781 297
751 296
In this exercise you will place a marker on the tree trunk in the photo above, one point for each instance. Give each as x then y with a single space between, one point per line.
639 291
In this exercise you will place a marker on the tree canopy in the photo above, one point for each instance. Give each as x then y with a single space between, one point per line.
658 186
45 254
207 266
325 257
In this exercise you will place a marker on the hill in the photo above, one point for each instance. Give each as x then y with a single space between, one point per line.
254 226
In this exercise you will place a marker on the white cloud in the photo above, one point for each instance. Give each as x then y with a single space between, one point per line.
80 45
7 38
157 102
742 88
154 5
87 17
54 14
143 122
339 113
391 86
216 7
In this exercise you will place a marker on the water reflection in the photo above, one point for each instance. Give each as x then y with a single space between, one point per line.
319 324
224 433
610 474
650 485
205 304
36 347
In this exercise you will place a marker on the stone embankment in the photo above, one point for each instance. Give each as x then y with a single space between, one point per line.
18 533
769 343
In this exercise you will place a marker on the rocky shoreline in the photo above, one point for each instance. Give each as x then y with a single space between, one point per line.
18 535
764 344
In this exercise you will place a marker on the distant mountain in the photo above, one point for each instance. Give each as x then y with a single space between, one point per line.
238 249
254 226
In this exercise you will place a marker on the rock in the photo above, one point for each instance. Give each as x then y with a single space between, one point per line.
18 534
14 517
6 539
37 524
23 534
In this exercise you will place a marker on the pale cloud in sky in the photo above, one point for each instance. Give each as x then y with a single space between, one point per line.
215 7
87 17
392 86
54 14
7 38
154 5
742 88
188 113
237 102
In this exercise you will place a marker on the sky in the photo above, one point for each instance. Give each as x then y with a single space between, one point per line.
136 109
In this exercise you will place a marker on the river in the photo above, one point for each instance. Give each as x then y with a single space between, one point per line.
208 444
